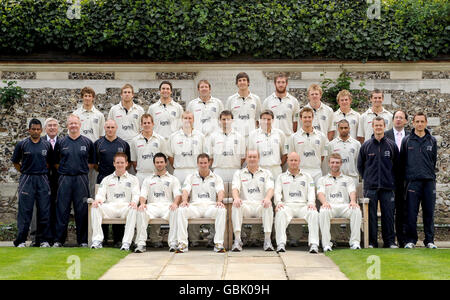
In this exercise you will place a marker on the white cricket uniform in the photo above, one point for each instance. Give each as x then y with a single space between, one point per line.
311 149
252 190
271 147
167 117
184 148
245 112
365 128
353 119
143 150
296 192
159 192
92 127
206 114
128 122
116 193
226 150
337 192
286 111
323 118
349 151
203 193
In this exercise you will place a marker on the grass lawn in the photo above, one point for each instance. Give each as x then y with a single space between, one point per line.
395 264
52 263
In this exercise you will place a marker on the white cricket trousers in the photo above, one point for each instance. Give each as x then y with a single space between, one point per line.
252 209
340 211
297 210
153 211
201 210
110 211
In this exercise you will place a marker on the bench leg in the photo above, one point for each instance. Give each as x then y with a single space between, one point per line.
366 224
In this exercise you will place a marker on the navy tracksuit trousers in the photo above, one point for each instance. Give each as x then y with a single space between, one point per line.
387 205
420 192
33 189
72 189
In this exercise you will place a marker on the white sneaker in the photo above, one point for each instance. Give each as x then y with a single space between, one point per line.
393 246
355 246
268 246
22 245
281 248
140 249
57 245
96 245
125 247
431 246
327 248
182 248
237 246
314 249
172 247
44 245
219 248
410 246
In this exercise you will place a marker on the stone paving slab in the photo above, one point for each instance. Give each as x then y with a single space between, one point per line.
187 270
255 271
301 273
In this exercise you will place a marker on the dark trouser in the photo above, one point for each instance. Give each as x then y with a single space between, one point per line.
400 215
387 205
72 189
420 192
33 189
117 229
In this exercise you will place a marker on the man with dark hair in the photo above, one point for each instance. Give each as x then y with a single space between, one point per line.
74 155
418 155
31 158
397 134
378 165
245 106
166 112
117 197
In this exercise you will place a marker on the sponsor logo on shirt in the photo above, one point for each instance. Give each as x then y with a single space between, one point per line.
352 150
309 153
317 127
164 123
87 131
254 190
212 184
282 117
289 106
336 195
184 154
155 145
204 196
244 117
147 156
127 127
345 160
228 153
295 194
343 183
203 121
267 153
118 196
166 183
159 194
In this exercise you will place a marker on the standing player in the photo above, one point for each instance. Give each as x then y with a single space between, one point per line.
365 127
206 193
245 107
160 197
253 189
284 106
126 114
117 197
337 195
166 112
206 109
323 114
31 158
74 155
227 148
295 197
346 112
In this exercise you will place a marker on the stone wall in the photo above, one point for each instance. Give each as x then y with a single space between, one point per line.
53 91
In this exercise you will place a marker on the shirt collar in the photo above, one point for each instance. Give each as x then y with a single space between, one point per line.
125 175
331 176
211 174
131 108
382 112
290 174
302 132
395 131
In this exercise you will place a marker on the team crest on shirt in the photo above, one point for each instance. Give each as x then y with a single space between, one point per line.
95 121
44 152
236 142
252 106
135 116
195 142
262 179
289 106
166 183
120 149
128 184
174 113
344 184
83 148
317 142
323 118
212 184
386 122
302 183
429 148
214 109
387 154
155 145
352 150
353 122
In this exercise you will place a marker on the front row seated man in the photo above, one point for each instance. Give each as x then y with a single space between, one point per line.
162 192
295 197
337 195
206 193
117 197
253 188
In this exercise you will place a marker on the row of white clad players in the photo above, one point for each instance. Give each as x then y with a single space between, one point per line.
202 195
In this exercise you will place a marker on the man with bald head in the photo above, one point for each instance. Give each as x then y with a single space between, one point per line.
295 198
105 148
252 198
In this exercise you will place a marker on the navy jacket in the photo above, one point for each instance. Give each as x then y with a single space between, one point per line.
418 156
378 164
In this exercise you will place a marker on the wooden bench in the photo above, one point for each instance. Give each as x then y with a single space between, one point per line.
364 204
228 201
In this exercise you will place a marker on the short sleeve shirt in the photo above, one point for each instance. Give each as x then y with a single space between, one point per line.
33 157
286 111
115 189
105 151
349 151
298 188
161 189
227 150
206 114
74 156
311 147
323 118
167 117
271 147
353 119
92 123
245 112
128 122
203 190
336 189
253 187
365 128
185 148
143 150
